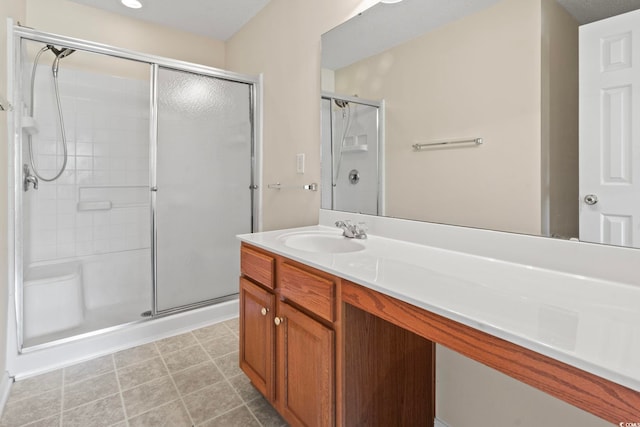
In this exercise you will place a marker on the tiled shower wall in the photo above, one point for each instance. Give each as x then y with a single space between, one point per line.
101 202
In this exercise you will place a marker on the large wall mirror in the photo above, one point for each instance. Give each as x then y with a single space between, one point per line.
483 111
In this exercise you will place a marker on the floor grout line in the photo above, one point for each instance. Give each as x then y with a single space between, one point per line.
226 378
226 412
124 408
62 382
184 405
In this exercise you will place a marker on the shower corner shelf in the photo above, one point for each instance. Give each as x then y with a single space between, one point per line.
29 125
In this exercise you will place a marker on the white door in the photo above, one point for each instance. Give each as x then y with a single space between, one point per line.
610 130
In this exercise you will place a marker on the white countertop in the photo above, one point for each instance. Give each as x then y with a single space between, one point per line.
590 323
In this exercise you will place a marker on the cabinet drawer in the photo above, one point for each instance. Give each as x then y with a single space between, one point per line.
308 290
257 266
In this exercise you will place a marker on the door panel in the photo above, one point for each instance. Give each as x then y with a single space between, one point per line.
203 175
306 382
256 333
609 135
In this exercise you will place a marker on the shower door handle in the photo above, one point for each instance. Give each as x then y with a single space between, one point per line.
154 189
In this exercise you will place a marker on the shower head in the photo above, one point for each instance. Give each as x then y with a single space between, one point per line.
66 52
59 53
62 52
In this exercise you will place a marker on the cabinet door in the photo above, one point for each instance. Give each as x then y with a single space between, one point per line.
257 343
306 380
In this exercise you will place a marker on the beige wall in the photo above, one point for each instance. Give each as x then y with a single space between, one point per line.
283 43
508 74
476 77
75 20
560 120
471 394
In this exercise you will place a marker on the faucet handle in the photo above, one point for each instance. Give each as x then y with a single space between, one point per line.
348 228
360 230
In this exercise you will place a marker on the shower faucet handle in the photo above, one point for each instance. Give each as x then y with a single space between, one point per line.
29 178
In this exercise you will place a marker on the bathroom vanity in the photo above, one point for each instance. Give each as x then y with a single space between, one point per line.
336 331
296 343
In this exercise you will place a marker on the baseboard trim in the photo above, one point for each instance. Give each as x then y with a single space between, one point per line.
439 423
5 388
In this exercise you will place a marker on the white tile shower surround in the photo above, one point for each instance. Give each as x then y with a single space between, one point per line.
190 379
107 126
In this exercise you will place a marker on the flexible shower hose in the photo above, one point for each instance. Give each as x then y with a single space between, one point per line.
60 117
346 111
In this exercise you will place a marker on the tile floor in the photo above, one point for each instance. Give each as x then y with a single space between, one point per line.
191 379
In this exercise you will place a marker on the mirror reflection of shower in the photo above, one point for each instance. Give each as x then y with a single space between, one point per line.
345 107
32 175
351 153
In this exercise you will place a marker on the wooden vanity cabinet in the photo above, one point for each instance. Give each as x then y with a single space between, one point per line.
321 362
305 366
256 336
287 336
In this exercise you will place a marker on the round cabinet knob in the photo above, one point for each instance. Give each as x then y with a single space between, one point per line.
591 199
278 320
264 311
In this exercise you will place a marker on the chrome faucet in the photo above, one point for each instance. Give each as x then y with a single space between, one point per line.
29 179
351 230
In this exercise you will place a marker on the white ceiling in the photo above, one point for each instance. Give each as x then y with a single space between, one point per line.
218 19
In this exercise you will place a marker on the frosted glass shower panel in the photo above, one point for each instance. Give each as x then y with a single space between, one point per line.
203 175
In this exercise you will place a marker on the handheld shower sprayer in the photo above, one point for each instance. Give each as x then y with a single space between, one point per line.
59 53
30 179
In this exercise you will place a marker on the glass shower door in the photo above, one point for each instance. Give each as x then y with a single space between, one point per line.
203 177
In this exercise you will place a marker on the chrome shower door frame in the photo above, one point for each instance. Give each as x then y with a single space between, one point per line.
255 117
16 34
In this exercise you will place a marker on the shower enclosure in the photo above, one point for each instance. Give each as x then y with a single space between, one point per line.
132 176
352 154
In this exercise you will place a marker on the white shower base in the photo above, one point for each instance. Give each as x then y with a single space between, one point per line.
67 298
36 361
94 320
115 291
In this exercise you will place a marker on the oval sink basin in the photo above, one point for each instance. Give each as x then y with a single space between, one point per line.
321 242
